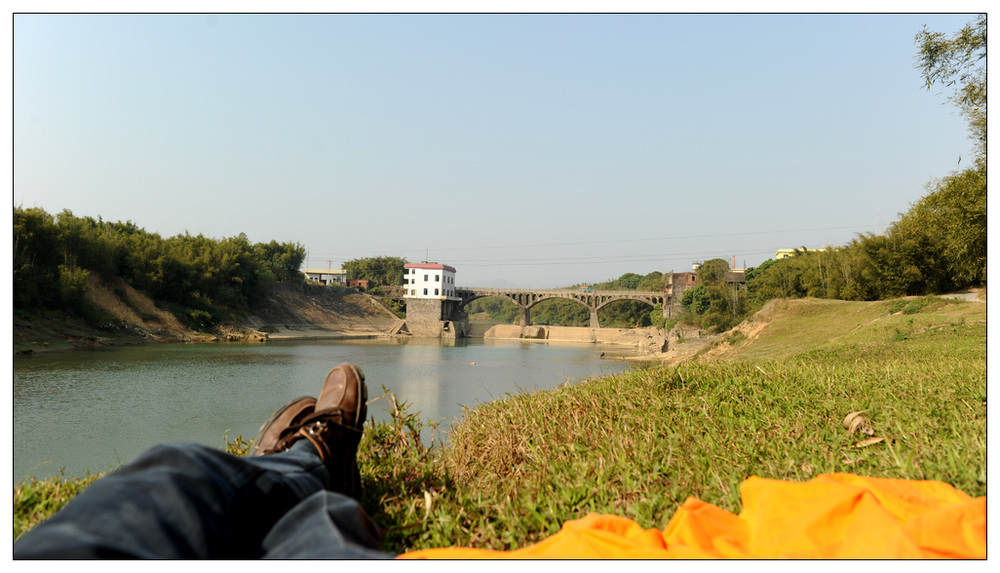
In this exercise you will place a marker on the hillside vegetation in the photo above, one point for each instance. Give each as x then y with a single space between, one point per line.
200 280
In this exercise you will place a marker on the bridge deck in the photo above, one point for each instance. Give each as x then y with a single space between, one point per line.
592 299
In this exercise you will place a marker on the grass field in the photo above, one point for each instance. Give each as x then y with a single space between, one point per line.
769 400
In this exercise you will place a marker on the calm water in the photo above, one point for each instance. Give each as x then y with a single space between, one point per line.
88 411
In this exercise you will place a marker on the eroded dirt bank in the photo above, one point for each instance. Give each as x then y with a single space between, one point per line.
312 311
292 312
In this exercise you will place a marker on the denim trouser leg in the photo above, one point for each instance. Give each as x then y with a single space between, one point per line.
326 525
192 501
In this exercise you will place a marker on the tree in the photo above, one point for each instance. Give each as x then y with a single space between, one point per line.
960 63
201 278
656 317
952 220
629 281
653 282
715 303
695 300
626 314
381 271
497 308
559 312
35 258
281 261
713 272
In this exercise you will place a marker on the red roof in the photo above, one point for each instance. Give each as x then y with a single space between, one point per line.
428 266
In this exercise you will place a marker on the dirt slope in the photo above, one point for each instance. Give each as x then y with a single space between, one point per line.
312 311
293 311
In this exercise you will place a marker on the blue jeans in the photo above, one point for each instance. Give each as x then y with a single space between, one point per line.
187 501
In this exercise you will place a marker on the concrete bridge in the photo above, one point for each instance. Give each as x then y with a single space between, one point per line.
593 300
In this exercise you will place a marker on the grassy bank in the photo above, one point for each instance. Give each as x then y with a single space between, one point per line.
769 401
639 443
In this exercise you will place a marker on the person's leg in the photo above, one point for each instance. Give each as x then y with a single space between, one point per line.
326 525
179 501
190 501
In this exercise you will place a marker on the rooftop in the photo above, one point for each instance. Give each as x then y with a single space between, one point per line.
429 265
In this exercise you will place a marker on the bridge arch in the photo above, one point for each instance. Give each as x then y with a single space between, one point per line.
593 300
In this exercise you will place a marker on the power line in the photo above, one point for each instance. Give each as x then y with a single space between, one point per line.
623 259
617 241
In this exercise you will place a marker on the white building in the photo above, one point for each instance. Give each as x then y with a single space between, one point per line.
429 280
326 276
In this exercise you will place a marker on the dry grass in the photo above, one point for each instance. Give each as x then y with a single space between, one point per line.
119 300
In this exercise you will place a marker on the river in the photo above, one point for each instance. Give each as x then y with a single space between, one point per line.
88 411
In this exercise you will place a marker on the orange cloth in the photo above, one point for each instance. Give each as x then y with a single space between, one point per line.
832 516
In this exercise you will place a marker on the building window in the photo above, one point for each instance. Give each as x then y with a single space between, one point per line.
435 292
437 278
425 291
413 291
425 278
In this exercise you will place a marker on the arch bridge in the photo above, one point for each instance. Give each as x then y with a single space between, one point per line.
592 299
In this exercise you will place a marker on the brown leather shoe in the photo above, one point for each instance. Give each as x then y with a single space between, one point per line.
344 390
334 427
287 420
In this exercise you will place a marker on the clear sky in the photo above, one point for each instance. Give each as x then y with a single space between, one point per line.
524 150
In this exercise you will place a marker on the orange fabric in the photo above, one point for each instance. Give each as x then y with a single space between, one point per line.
831 516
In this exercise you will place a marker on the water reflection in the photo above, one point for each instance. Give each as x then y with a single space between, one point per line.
90 410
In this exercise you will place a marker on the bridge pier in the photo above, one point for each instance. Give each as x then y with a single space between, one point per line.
525 316
435 318
594 320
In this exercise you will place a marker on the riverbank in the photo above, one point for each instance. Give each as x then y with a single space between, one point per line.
769 400
292 312
644 340
313 312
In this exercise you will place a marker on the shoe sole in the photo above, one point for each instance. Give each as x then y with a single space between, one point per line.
254 451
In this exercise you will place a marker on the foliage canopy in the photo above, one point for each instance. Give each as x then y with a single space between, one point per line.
380 271
959 62
204 279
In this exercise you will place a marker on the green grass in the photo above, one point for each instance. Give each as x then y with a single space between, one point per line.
36 500
639 443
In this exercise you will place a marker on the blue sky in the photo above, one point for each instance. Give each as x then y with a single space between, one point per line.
525 150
